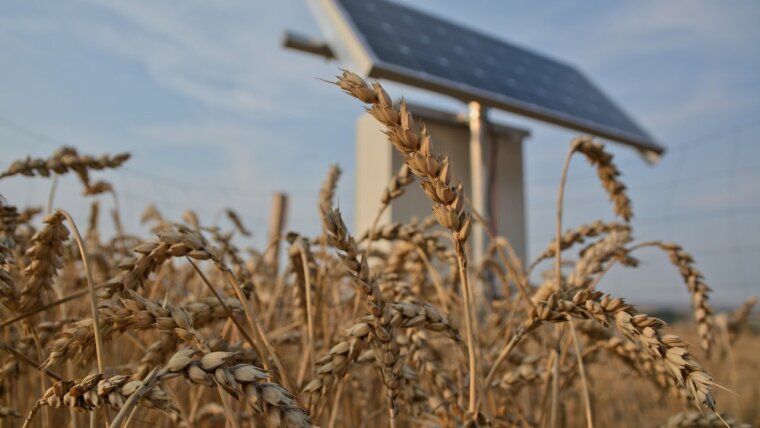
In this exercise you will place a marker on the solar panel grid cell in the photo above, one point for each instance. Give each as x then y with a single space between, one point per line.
417 44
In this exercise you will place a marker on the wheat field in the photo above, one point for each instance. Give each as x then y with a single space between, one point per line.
353 328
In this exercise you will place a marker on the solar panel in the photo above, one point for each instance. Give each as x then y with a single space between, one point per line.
413 47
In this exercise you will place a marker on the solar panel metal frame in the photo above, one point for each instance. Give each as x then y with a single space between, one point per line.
349 43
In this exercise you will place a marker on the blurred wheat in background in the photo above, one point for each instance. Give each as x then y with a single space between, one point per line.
370 328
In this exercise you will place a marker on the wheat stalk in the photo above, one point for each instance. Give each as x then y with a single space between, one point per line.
694 281
240 380
435 178
701 420
8 220
134 312
367 288
594 257
670 349
341 312
174 241
422 355
96 391
336 362
64 160
608 174
576 236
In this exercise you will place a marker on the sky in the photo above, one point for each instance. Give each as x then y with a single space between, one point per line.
217 114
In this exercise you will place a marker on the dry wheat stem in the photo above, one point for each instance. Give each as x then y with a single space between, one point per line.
582 372
230 415
558 277
91 288
558 220
309 320
336 403
467 302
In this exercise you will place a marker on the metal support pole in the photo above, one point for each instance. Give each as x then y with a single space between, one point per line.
478 174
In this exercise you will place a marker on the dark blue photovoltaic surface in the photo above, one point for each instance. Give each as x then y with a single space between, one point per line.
423 45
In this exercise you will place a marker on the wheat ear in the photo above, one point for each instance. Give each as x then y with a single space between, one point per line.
222 369
96 391
9 293
367 288
636 327
45 258
63 160
327 191
576 236
695 283
416 146
237 222
134 312
608 174
395 189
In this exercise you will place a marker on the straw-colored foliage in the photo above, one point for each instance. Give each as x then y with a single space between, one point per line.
374 328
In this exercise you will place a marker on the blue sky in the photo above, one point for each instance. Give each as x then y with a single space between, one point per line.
218 115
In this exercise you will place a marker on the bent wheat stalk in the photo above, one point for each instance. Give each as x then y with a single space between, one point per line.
636 327
91 287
